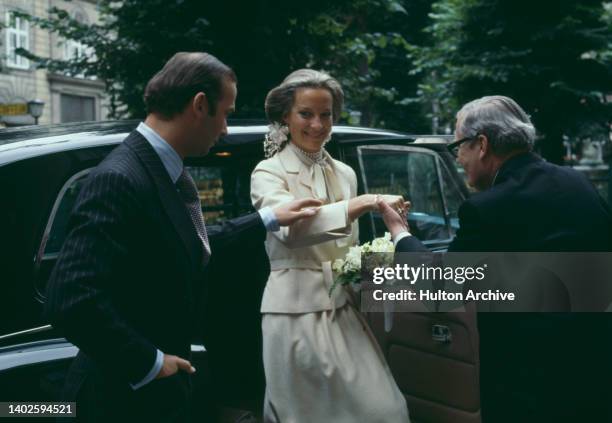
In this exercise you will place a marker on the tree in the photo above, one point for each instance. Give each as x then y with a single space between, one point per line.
362 43
552 57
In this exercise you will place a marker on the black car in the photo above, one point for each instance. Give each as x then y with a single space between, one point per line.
42 169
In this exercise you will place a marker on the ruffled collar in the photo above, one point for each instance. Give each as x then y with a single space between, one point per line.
318 157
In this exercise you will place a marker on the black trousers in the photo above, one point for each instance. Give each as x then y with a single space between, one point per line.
101 398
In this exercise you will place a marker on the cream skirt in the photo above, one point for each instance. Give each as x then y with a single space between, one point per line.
324 367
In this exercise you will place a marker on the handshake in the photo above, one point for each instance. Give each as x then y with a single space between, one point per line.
394 214
393 209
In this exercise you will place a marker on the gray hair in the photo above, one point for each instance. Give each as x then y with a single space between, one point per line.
506 125
280 99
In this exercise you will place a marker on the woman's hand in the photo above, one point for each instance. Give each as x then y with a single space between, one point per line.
369 202
360 205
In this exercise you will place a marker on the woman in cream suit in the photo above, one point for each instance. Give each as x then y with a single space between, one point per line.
321 361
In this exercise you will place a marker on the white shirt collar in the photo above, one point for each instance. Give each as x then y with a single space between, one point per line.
169 157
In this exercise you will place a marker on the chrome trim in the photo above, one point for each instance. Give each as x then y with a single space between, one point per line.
27 332
197 348
450 175
34 355
442 196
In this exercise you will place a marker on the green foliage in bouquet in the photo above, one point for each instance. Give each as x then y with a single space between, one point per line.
370 254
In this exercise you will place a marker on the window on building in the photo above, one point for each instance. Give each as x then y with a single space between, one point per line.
17 36
76 108
75 50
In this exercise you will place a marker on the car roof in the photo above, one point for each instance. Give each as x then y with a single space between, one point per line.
31 141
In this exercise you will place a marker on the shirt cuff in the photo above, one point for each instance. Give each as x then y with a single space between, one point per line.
159 362
401 236
269 219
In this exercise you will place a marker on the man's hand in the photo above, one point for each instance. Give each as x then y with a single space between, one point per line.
290 213
395 222
172 364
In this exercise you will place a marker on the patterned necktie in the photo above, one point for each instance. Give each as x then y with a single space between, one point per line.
189 193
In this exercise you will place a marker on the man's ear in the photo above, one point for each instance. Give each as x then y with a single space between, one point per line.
200 103
485 146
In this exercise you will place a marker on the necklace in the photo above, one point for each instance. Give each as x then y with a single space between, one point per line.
316 157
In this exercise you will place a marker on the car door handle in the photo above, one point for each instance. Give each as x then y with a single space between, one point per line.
441 333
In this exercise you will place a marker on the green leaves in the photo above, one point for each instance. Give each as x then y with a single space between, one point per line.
344 279
407 65
363 43
547 58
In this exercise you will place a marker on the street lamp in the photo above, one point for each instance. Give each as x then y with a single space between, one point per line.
35 109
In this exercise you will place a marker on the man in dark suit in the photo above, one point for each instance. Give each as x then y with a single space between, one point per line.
535 367
127 285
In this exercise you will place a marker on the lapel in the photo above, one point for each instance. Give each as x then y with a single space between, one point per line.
292 164
170 198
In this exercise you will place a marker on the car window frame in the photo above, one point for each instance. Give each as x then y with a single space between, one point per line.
40 255
437 160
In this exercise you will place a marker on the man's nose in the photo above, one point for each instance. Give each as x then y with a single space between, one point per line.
224 129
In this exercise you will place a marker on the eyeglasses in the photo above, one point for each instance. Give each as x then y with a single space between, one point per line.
453 147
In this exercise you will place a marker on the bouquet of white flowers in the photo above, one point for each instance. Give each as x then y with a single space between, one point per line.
348 270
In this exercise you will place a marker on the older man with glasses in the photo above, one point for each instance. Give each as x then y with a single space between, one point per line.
534 366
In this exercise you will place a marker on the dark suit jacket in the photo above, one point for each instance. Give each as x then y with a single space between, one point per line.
128 281
537 366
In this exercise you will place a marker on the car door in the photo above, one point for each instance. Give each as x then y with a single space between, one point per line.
433 356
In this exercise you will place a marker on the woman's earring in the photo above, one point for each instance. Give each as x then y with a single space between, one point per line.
275 139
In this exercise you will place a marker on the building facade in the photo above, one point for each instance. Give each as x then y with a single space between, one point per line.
67 98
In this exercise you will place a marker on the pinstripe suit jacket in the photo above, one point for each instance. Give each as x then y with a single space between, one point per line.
128 278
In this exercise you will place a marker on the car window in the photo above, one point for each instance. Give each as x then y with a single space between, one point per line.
413 173
224 194
224 191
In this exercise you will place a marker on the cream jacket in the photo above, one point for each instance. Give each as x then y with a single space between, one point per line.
301 255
